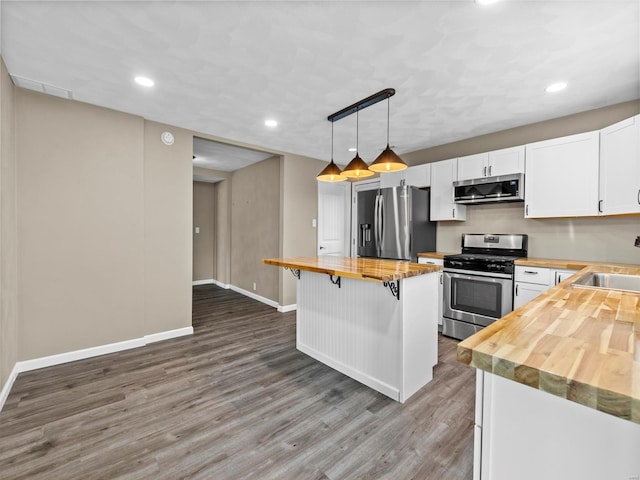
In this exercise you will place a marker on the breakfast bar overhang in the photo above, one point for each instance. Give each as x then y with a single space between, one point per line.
373 320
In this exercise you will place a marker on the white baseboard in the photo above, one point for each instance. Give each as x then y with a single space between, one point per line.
259 298
287 308
202 282
7 386
158 337
50 360
60 358
221 285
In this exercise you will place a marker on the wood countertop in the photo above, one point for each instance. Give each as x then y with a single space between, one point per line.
582 344
439 255
371 269
558 263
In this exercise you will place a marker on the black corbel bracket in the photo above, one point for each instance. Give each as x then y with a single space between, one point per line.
394 288
294 271
336 281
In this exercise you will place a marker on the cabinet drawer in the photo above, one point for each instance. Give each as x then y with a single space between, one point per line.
540 276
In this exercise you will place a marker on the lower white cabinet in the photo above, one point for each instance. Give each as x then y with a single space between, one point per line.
526 434
437 261
532 281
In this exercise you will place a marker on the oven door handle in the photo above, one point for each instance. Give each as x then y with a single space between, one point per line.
470 274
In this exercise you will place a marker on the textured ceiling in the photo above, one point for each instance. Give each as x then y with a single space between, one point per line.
222 68
225 157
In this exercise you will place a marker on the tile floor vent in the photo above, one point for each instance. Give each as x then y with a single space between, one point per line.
29 84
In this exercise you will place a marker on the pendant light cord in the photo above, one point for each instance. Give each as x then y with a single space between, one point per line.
388 121
332 141
357 131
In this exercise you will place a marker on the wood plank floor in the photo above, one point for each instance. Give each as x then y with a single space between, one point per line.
234 401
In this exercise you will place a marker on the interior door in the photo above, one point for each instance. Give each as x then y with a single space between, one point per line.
334 218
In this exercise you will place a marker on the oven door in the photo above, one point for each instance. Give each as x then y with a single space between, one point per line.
477 297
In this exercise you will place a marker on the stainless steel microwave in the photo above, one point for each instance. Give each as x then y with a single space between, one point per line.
505 188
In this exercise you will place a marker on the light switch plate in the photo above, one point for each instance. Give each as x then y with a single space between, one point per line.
197 229
314 223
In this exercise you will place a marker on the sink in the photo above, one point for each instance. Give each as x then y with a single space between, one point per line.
609 281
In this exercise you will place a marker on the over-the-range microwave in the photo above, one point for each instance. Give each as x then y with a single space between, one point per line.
504 188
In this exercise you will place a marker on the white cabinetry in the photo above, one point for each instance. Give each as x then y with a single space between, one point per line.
437 261
532 281
492 164
416 176
620 168
443 174
562 177
527 434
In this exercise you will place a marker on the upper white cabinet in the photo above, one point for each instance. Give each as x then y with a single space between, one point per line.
391 179
417 176
491 164
443 174
562 177
620 168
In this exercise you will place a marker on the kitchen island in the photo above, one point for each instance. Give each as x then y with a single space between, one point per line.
373 320
558 385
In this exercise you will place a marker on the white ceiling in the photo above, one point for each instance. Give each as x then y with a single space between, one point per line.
222 156
223 67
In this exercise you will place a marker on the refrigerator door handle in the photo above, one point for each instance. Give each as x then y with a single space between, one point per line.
381 215
376 225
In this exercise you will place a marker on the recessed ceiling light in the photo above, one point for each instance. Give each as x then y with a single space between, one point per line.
486 2
144 81
353 149
556 87
271 123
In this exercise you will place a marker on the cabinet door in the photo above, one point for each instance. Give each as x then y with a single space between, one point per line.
473 166
620 168
562 177
391 179
419 175
506 161
560 275
443 174
525 292
436 261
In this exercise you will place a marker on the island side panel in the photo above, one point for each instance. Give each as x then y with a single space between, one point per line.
355 329
419 296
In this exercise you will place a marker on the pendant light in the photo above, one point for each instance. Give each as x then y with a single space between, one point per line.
331 173
357 168
387 161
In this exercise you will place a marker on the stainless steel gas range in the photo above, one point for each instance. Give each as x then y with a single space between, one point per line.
478 283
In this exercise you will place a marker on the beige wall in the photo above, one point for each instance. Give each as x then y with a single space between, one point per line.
255 219
104 217
81 225
8 230
204 241
299 208
607 239
168 222
223 232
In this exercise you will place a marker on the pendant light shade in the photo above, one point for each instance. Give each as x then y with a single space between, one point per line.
388 160
357 168
331 173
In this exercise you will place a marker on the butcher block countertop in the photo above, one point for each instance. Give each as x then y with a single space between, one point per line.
371 269
582 344
557 263
439 255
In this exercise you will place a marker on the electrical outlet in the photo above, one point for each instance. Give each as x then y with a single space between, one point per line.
197 229
314 223
255 287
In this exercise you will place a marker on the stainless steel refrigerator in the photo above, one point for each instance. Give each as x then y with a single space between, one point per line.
394 223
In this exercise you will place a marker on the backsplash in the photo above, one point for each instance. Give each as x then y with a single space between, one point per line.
604 239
